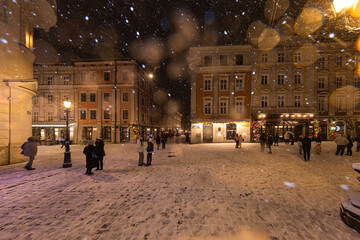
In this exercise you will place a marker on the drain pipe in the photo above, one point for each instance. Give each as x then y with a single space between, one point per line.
9 145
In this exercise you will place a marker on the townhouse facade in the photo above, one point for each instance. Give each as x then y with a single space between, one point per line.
300 86
17 85
112 100
220 93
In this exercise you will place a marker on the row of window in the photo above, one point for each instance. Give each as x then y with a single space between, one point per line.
340 103
106 97
223 60
281 79
264 102
224 83
223 107
297 57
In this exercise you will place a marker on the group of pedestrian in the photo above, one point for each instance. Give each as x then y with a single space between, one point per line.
347 142
94 155
141 150
238 140
267 140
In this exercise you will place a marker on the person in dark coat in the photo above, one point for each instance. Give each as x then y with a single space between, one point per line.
269 142
262 141
99 144
30 149
306 145
276 139
157 139
292 139
349 146
91 157
150 150
357 139
163 140
237 140
187 138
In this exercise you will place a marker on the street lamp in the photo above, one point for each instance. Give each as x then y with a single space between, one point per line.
67 155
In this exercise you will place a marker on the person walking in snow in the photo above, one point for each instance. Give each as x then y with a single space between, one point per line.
300 144
29 149
292 139
92 158
140 150
99 144
287 137
276 139
262 141
150 150
163 140
269 142
236 138
349 146
341 143
306 145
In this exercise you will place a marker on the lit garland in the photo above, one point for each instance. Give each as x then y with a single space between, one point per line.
135 129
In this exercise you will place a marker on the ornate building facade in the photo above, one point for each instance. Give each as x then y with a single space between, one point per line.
112 100
220 92
17 85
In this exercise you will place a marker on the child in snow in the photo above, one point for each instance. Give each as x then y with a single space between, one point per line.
140 150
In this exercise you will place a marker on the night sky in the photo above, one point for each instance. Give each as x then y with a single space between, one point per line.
163 30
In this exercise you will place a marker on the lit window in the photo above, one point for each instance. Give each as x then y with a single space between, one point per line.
29 40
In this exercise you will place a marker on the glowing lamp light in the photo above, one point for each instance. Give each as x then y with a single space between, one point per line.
311 115
263 115
299 115
67 104
340 5
287 115
151 75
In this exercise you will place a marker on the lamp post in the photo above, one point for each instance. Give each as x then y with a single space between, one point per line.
67 155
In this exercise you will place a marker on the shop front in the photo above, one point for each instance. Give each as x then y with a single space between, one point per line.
51 133
296 124
216 132
328 128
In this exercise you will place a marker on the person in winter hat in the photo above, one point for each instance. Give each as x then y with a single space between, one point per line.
150 150
91 157
30 150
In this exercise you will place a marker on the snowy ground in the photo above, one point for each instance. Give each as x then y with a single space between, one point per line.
206 191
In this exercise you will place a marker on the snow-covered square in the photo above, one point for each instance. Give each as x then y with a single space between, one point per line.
204 191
